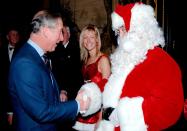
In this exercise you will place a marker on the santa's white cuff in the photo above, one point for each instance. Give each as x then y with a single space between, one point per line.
130 114
84 126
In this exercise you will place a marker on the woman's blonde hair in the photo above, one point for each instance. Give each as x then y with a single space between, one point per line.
83 51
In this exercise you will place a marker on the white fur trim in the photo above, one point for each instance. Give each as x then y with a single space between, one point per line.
93 92
144 23
117 21
84 126
114 87
130 114
105 126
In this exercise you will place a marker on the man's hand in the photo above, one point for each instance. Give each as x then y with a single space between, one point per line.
10 117
83 100
63 96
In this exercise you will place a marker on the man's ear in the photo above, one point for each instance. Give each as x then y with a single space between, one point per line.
44 31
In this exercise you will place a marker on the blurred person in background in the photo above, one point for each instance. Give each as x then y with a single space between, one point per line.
66 67
10 46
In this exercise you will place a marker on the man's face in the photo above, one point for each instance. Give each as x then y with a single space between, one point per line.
89 40
121 34
66 34
124 41
54 35
13 37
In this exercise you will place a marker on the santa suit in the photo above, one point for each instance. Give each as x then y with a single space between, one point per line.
145 88
151 96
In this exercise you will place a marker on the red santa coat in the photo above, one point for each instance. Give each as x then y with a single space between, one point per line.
151 97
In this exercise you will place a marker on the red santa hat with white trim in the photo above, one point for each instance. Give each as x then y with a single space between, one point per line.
138 17
122 16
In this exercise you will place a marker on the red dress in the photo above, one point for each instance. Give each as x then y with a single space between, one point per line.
91 73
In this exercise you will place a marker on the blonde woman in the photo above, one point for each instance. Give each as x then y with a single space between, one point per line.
96 68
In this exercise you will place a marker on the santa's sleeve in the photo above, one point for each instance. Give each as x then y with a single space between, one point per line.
161 102
163 106
162 109
156 112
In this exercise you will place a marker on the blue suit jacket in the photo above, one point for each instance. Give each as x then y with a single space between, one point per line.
35 98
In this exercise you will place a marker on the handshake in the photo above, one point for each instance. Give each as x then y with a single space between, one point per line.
89 98
83 100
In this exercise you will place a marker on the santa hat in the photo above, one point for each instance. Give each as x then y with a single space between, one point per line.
140 18
121 16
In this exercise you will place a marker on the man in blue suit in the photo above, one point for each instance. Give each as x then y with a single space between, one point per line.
33 89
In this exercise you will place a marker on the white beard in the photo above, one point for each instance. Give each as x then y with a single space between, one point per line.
127 46
131 51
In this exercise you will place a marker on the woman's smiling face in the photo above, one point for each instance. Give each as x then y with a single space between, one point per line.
89 40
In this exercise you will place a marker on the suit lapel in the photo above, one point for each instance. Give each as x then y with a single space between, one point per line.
36 57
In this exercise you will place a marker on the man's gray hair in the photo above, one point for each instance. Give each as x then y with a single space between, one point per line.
44 18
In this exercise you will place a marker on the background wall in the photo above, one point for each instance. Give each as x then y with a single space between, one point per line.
87 11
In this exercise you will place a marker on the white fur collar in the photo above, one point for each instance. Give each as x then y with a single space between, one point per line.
123 63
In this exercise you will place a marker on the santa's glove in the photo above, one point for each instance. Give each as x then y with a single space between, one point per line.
114 118
110 114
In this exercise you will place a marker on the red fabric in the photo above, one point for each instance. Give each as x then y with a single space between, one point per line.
158 81
125 13
117 128
185 109
101 84
91 72
90 119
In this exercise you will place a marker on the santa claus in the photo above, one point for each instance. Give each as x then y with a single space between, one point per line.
144 91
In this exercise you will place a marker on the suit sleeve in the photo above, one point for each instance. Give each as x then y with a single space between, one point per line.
35 94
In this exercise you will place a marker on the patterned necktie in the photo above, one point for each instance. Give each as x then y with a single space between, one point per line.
47 61
11 48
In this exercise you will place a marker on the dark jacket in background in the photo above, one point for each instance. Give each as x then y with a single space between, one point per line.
66 67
